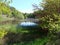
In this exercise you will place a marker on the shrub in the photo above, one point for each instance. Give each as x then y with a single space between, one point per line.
2 32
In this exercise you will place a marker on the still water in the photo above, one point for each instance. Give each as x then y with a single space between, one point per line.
28 24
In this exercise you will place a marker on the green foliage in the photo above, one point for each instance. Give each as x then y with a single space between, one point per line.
50 19
4 29
50 23
10 11
50 15
16 13
41 41
4 9
29 15
3 32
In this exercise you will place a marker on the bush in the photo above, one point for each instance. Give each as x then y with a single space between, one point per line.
3 32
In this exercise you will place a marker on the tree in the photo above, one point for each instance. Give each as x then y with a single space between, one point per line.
52 6
16 13
50 15
4 7
31 15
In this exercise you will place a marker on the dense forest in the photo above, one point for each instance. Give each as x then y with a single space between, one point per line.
47 32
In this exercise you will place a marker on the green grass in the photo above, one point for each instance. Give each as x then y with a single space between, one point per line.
40 41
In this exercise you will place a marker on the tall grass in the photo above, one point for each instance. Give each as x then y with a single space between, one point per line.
40 41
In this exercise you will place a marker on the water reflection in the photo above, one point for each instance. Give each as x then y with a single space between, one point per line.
28 24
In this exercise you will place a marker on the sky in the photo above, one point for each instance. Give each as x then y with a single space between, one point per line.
25 6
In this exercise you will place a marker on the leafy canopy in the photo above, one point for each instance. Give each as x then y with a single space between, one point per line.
50 15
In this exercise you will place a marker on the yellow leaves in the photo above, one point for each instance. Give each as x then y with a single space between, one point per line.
2 32
4 9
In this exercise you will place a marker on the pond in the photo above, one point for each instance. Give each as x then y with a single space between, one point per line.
29 25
